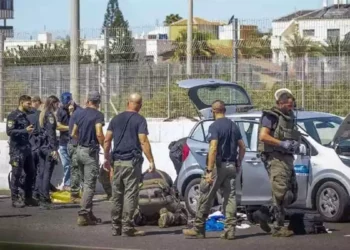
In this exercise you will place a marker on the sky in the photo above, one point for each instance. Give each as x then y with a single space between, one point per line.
54 15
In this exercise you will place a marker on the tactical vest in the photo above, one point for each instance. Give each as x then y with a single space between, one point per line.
285 129
155 194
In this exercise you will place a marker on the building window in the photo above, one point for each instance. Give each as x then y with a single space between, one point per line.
333 33
308 32
6 4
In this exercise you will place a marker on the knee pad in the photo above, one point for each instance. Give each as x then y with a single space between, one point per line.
288 198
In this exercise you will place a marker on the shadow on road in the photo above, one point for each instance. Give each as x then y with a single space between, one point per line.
15 215
163 232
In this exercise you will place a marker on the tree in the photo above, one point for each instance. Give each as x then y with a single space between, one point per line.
172 18
50 54
336 47
200 46
121 46
300 47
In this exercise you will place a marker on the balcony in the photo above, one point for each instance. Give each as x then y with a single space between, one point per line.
6 9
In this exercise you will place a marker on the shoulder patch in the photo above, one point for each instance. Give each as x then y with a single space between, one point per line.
10 123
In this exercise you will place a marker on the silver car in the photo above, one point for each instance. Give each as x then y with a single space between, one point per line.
322 168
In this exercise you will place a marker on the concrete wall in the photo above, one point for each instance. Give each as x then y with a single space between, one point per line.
160 135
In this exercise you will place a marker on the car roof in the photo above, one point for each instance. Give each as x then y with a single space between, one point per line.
301 114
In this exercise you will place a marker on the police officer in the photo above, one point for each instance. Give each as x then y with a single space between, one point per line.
223 165
76 172
278 141
18 128
35 142
88 130
63 117
129 132
48 156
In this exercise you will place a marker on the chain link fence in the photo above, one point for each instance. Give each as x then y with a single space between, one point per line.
259 54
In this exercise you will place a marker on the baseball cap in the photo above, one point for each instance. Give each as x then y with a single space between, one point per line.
94 96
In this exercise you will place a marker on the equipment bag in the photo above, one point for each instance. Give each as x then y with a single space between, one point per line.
303 223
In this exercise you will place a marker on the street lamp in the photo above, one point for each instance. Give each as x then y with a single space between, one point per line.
74 49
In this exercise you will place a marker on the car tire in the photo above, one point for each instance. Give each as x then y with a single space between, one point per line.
188 198
339 198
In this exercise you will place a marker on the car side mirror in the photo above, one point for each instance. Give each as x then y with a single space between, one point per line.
302 149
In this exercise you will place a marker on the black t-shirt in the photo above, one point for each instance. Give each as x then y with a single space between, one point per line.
130 141
71 124
63 117
86 120
228 134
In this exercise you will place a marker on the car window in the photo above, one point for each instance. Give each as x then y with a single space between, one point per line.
249 131
321 129
227 94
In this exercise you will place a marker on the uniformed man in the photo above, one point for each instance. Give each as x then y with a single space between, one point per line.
278 141
35 141
63 117
223 166
18 129
88 130
76 172
157 202
129 132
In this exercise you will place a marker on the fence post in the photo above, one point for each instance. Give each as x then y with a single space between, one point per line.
234 76
322 75
40 83
59 85
303 83
87 82
284 68
250 75
107 85
2 82
168 90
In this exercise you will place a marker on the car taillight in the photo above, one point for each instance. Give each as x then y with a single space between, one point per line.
185 152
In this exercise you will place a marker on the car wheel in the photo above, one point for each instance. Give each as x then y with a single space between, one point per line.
332 202
192 196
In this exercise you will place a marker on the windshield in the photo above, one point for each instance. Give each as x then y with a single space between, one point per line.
321 129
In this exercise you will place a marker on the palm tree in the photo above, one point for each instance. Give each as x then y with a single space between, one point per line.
255 47
336 47
300 47
200 46
172 18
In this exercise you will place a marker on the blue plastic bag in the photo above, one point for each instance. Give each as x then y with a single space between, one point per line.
214 224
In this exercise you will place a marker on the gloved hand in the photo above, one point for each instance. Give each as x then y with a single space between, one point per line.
286 144
295 146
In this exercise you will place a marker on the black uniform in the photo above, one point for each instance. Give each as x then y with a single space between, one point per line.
20 155
47 163
35 142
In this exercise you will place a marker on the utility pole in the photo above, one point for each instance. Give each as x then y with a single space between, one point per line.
189 37
2 82
74 49
234 76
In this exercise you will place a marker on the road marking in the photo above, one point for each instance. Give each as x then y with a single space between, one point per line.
63 246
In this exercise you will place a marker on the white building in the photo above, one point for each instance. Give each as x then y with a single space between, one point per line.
319 25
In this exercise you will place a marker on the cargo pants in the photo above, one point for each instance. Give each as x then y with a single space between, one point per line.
224 176
76 172
126 180
88 163
280 168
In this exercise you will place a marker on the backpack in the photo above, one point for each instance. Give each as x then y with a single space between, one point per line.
175 153
303 223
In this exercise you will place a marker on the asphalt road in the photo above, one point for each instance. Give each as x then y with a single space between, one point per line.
57 229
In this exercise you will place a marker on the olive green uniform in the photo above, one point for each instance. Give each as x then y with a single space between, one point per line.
76 172
280 167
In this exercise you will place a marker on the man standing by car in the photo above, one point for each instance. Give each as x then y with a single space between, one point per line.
222 168
129 132
278 141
